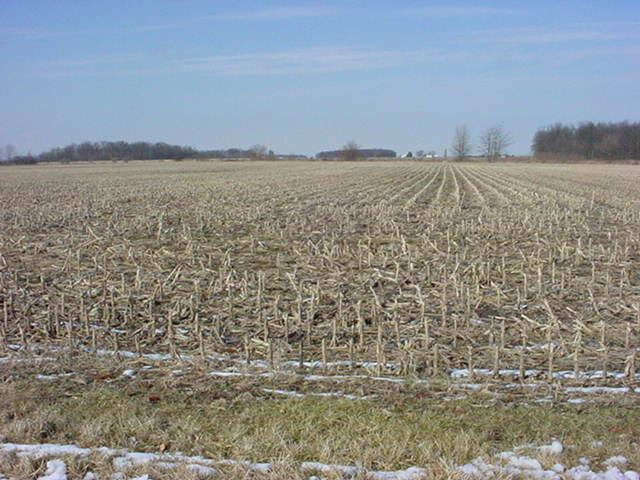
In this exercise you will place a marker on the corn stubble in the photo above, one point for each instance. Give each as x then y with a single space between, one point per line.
407 269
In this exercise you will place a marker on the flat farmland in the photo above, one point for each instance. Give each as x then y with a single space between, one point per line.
268 291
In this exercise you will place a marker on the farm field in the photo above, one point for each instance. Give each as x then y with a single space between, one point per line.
386 315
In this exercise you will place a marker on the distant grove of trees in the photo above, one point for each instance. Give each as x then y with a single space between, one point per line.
603 141
91 151
94 151
351 151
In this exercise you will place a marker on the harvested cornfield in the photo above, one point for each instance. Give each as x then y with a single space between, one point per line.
407 269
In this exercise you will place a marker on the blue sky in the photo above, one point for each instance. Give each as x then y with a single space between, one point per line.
305 76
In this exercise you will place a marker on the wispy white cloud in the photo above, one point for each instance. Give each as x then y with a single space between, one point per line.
567 36
298 61
15 31
436 11
279 13
160 27
114 59
22 34
309 60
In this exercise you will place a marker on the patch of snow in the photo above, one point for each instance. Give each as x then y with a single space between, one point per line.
240 374
555 448
56 470
345 470
540 346
455 373
513 465
597 389
53 377
586 375
26 360
464 372
124 459
283 392
292 393
412 473
201 470
44 450
616 461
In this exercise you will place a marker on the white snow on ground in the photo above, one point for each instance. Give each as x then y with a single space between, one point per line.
26 360
56 470
317 394
455 373
505 463
540 346
522 466
569 374
122 459
555 447
129 373
53 377
473 386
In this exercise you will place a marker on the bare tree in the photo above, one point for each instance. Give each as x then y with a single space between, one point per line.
350 150
494 141
461 142
258 151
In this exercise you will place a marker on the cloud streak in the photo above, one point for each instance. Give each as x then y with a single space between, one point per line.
462 11
309 60
26 34
281 13
316 60
114 59
559 36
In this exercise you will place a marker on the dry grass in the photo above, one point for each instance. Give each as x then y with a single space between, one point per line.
219 419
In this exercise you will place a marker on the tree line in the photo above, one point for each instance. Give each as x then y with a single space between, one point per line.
101 151
352 151
588 140
93 151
